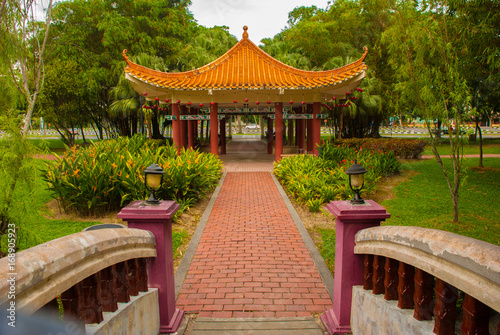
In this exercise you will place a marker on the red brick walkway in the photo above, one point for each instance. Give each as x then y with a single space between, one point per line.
251 260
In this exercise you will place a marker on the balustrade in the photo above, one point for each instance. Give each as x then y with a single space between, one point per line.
85 301
431 297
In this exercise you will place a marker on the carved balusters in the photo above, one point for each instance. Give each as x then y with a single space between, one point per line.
423 296
368 272
378 274
142 274
391 279
132 277
108 289
445 309
91 306
71 302
414 288
475 317
120 274
406 285
85 301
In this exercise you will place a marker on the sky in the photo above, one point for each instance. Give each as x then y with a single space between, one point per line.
264 18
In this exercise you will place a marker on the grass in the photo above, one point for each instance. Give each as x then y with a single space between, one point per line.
55 145
38 227
327 247
490 146
425 200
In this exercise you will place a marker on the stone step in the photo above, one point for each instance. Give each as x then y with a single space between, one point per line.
257 326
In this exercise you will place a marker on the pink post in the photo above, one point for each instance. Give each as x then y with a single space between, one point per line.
348 267
158 220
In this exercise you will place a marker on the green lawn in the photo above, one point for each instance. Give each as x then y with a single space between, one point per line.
425 200
38 227
490 146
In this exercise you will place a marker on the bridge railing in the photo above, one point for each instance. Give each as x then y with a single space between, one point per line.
423 270
90 271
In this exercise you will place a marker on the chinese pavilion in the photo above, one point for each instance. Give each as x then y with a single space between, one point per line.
247 77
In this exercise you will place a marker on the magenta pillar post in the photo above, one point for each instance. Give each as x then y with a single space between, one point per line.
158 220
349 219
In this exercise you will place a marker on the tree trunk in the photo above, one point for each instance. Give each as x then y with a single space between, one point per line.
39 74
155 126
478 129
341 124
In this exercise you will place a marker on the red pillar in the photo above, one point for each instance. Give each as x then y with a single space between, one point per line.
301 133
278 112
183 126
316 127
223 136
158 220
270 136
310 143
176 124
297 122
194 125
349 219
214 132
191 129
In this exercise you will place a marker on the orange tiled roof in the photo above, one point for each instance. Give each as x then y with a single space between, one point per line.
245 66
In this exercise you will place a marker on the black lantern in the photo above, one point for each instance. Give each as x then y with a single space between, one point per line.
154 175
356 181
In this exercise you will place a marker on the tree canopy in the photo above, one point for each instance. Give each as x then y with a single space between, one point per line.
82 59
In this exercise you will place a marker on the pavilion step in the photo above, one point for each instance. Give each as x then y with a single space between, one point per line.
257 326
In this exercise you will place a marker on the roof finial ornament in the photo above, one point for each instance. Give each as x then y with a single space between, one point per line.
245 34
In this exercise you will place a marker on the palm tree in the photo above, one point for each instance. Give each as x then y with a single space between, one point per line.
125 103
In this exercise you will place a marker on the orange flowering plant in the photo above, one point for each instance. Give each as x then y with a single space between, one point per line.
315 181
110 174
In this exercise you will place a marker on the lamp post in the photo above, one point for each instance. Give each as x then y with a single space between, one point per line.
356 181
350 218
156 216
154 174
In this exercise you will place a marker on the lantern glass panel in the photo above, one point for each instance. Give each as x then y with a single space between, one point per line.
357 181
153 180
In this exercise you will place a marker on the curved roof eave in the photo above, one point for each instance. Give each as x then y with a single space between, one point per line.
235 70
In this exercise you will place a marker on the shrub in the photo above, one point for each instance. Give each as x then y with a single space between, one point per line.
402 148
314 181
110 174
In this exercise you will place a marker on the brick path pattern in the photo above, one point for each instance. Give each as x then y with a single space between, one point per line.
251 260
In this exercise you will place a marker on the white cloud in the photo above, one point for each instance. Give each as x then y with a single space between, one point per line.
264 18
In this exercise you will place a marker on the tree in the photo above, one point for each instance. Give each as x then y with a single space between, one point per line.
94 33
25 56
18 175
341 31
125 103
425 55
62 101
206 45
478 27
